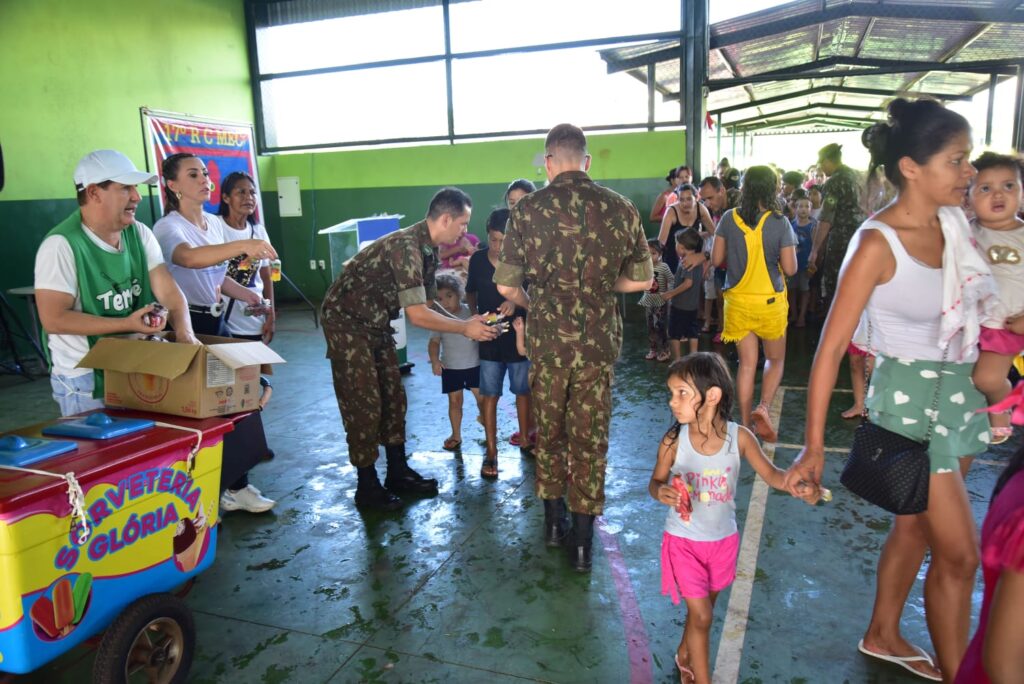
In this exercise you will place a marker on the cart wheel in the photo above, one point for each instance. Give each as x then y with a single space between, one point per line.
152 640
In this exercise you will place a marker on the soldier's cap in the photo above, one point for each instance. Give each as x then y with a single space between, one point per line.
831 151
109 165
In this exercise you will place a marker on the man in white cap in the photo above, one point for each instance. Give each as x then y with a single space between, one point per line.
98 273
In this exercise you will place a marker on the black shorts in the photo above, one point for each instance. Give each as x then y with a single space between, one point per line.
683 324
457 380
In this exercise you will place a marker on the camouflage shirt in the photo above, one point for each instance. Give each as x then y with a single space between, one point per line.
571 240
394 272
842 206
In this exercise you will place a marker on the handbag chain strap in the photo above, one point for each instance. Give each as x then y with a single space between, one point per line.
932 413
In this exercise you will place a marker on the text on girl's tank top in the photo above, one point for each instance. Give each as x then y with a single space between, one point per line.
711 481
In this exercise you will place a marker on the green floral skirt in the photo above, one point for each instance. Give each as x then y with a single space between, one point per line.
901 396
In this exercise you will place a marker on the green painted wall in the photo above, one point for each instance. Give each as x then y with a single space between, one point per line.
74 74
340 185
72 78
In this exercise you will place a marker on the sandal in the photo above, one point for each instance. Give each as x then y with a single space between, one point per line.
452 444
650 356
489 469
763 424
664 356
516 439
905 661
1000 434
685 674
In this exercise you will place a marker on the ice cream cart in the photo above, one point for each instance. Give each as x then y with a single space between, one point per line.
96 530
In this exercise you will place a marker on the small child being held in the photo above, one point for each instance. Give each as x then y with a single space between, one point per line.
655 307
995 196
685 295
804 226
696 476
455 357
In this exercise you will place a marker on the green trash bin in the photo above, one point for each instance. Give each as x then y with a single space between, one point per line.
345 239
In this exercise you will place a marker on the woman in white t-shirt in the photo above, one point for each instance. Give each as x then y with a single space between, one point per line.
237 207
197 251
195 247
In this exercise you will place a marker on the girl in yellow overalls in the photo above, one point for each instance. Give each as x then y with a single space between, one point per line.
756 306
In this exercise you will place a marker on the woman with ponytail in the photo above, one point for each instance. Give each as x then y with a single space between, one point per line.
904 276
196 248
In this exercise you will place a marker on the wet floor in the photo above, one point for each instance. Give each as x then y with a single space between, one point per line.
461 589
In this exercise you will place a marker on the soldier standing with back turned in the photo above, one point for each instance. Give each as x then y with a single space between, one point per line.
578 244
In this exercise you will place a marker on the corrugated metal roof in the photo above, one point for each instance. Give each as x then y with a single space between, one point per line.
808 45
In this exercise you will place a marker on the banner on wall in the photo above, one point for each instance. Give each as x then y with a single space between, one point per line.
224 146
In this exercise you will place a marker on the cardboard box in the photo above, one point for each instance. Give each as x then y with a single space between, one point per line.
219 377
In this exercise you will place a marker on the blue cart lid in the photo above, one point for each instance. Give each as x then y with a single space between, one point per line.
16 450
98 426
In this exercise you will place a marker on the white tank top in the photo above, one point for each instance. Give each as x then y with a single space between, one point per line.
904 313
711 482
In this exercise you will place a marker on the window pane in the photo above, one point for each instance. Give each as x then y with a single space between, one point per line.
492 24
537 90
369 104
351 40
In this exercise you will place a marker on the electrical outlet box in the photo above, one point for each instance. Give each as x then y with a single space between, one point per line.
312 264
323 264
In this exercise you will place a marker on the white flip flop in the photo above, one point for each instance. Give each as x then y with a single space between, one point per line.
686 675
903 661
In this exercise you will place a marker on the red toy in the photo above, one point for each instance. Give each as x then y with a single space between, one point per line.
685 507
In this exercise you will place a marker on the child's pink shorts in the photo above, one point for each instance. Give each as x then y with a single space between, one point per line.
1001 341
694 569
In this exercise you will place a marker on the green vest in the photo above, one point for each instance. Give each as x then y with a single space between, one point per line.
112 285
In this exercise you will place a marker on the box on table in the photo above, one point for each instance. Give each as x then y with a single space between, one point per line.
218 377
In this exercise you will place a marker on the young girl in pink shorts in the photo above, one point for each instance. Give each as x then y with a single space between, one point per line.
696 475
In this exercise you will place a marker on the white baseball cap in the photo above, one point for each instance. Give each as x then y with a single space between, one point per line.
109 165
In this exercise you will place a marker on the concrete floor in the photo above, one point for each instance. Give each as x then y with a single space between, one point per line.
461 589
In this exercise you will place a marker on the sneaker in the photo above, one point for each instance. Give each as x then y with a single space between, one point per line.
248 499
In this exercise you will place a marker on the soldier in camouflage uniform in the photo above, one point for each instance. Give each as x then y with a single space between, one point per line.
841 215
395 272
577 244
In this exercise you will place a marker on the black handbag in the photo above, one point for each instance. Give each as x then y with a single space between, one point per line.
888 469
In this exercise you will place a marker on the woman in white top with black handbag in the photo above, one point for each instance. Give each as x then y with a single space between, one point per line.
912 273
237 208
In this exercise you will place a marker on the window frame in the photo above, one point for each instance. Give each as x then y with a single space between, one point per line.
257 78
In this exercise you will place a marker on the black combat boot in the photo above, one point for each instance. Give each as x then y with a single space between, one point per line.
581 542
371 495
555 522
401 479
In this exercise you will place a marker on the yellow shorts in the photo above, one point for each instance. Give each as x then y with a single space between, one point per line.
764 316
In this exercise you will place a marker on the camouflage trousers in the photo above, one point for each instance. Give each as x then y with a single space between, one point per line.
371 397
572 407
835 251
